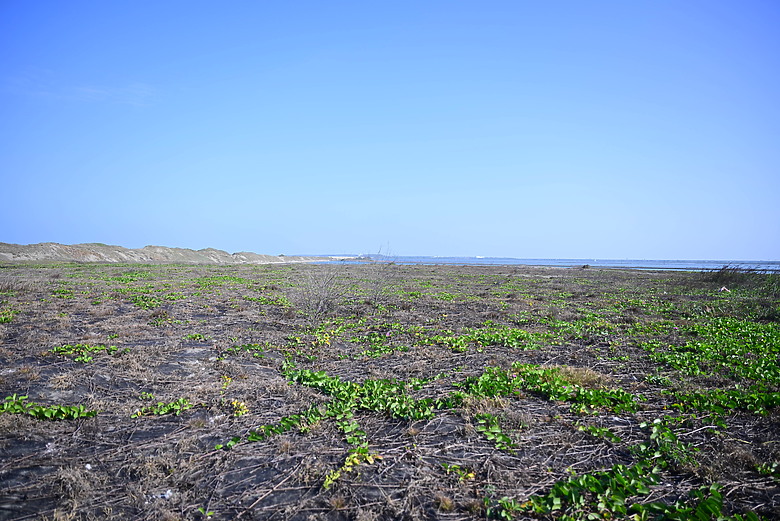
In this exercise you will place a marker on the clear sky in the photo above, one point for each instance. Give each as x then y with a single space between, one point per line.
530 129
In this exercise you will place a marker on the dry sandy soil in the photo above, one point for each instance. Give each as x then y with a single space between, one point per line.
407 394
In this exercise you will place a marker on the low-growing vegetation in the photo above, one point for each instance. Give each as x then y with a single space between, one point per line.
376 391
19 405
84 352
175 407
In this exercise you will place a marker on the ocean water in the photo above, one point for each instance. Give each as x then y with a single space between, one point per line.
638 264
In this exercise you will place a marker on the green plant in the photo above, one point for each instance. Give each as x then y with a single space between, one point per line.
550 383
256 350
376 395
732 347
145 301
229 445
273 300
769 469
161 408
18 405
608 494
754 399
445 296
218 280
84 352
378 344
488 425
597 495
600 432
490 335
661 380
355 457
463 473
704 503
239 408
175 296
665 448
617 493
385 396
63 293
129 277
505 508
6 315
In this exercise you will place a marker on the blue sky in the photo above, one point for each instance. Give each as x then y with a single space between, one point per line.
565 129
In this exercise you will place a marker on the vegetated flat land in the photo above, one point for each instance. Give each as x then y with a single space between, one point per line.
387 392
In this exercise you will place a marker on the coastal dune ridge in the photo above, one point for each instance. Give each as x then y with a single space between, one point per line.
98 252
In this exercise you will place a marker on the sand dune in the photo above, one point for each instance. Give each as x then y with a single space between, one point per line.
95 252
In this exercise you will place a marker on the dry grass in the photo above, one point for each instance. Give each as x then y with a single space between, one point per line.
15 285
286 445
585 377
337 502
66 380
484 405
75 483
444 503
11 424
29 372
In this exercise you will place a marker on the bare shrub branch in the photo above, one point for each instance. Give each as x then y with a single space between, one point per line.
381 275
321 288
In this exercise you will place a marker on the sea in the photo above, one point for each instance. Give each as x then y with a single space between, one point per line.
634 264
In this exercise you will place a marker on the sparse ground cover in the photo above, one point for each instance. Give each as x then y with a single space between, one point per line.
387 392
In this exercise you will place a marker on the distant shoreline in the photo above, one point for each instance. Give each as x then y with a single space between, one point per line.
633 264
